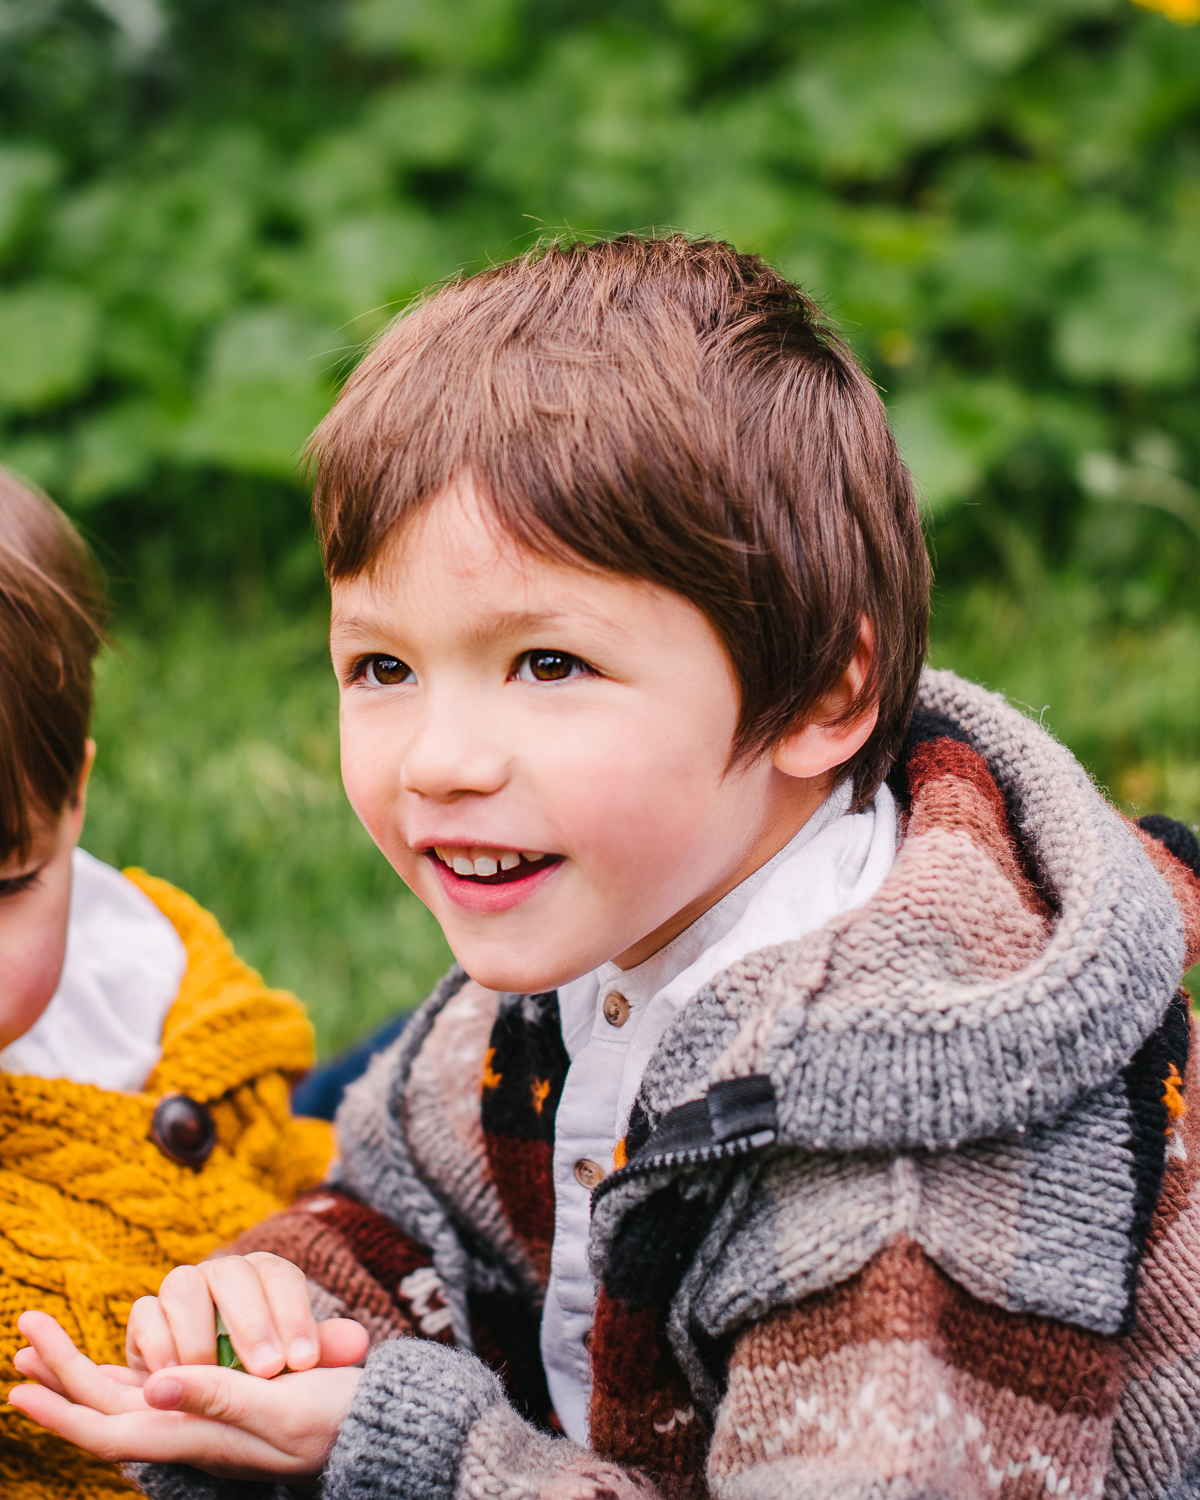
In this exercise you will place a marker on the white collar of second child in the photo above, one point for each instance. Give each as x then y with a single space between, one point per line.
122 971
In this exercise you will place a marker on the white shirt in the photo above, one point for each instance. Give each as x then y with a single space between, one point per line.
121 973
836 863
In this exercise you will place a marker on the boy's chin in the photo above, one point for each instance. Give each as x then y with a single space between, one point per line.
514 975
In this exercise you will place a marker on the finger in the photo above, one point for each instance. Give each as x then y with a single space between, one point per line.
75 1376
186 1304
149 1436
298 1414
149 1344
343 1342
286 1289
123 1375
237 1290
31 1365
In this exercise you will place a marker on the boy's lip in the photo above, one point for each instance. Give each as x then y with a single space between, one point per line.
480 897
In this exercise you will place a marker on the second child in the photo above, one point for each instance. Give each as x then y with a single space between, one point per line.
144 1069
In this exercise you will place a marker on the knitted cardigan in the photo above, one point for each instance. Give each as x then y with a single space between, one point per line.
906 1208
93 1215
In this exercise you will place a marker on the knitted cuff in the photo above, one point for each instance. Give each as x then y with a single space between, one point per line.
404 1434
182 1482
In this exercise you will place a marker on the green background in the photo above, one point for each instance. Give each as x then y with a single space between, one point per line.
207 207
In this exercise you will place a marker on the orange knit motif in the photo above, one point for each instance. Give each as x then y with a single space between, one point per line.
93 1215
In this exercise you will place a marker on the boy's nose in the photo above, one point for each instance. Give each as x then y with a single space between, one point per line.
451 756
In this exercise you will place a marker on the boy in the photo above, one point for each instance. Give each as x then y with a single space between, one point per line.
872 1090
143 1069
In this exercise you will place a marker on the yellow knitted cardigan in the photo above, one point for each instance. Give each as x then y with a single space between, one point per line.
93 1215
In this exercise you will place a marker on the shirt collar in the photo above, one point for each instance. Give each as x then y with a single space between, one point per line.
642 982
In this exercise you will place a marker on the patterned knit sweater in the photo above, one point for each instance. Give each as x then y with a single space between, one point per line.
907 1208
93 1214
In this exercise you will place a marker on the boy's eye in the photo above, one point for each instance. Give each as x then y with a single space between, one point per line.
549 666
16 885
386 671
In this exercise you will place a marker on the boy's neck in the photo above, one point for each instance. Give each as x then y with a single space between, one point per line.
799 800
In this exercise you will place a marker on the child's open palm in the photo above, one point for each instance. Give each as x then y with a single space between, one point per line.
174 1404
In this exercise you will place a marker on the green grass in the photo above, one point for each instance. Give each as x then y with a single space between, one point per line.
1126 700
218 769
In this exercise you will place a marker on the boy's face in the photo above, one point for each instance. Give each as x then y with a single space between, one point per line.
542 752
35 898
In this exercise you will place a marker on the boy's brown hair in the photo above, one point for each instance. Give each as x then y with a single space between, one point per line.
52 612
668 410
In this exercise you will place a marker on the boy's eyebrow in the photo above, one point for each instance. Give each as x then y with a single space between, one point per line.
499 622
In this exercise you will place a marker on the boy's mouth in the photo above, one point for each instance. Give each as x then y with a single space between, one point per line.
492 866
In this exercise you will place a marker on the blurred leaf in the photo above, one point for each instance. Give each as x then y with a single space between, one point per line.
26 173
949 436
47 344
1002 34
115 451
265 388
370 263
870 94
38 456
475 32
589 139
1106 477
429 122
1132 320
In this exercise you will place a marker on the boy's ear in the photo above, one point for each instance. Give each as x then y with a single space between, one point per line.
79 800
827 740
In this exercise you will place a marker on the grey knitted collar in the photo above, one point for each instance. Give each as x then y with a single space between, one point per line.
876 1033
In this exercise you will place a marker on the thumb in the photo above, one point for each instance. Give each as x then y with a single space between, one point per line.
343 1342
205 1391
259 1423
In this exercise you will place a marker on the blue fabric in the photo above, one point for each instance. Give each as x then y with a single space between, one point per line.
319 1093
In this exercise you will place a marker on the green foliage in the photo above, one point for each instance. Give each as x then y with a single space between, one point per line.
206 208
998 200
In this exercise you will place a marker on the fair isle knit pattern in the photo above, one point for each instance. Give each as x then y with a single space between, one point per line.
909 1208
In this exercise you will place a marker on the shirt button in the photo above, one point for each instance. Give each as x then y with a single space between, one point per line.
588 1173
616 1009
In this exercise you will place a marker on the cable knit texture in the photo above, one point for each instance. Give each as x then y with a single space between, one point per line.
908 1208
93 1215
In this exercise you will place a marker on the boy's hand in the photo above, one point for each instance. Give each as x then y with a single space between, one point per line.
264 1302
223 1421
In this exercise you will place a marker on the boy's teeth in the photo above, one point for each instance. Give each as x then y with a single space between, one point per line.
485 864
482 864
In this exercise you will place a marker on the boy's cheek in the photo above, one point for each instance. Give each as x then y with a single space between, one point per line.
371 777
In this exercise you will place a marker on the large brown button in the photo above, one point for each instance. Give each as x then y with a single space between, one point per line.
588 1173
183 1130
616 1009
